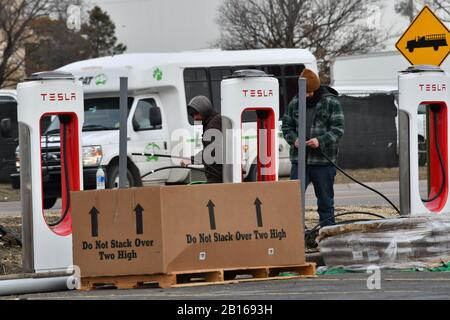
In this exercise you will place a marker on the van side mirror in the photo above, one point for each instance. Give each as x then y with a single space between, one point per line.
155 117
5 128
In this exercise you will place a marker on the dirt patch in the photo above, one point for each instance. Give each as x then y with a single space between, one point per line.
312 216
7 193
10 251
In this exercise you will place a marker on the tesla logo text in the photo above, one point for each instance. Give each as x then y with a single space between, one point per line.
255 93
59 96
433 87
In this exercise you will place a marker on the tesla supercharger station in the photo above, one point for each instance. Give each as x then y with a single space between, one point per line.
48 247
424 89
250 90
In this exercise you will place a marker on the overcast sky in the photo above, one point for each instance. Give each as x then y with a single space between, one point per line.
163 25
177 25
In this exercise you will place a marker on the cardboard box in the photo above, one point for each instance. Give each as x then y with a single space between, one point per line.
162 229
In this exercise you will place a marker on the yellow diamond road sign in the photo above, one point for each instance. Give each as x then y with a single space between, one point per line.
427 40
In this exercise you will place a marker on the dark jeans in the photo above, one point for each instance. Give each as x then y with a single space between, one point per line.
322 178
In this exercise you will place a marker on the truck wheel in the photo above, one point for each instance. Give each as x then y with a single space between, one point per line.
112 178
49 203
252 174
436 48
411 49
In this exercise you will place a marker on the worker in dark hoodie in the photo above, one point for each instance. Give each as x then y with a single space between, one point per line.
200 109
324 129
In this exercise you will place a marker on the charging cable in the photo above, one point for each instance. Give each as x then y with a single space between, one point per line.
215 173
179 167
435 109
65 120
358 182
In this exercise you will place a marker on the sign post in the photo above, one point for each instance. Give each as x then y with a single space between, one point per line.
426 41
302 141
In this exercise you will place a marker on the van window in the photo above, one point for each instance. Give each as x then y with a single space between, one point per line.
289 85
273 70
99 114
196 83
7 99
103 114
217 75
141 118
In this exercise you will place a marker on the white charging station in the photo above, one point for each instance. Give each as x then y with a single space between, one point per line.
426 87
250 90
48 247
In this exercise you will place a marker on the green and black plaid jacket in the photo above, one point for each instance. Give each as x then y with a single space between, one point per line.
327 127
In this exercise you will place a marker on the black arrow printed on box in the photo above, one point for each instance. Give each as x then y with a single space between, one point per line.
139 224
212 218
258 204
94 221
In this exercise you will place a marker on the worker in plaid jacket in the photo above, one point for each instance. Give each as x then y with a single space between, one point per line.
324 129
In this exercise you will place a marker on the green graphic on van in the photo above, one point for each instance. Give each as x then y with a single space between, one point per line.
157 74
152 148
101 79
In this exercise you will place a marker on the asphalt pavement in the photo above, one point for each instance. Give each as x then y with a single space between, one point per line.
393 285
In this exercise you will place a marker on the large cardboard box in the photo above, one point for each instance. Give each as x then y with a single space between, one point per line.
162 229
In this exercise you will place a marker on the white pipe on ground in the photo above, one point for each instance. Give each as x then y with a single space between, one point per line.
36 285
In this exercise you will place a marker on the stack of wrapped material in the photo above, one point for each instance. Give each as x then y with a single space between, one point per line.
422 241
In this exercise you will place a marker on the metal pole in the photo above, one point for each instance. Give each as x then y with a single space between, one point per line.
34 285
123 132
302 141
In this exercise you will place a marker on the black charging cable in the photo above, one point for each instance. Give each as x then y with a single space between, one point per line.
435 109
65 120
375 215
161 156
311 235
358 182
179 167
215 173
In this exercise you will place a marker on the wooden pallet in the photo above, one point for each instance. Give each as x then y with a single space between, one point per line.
200 277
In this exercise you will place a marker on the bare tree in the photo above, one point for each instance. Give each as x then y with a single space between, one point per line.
411 8
442 8
15 19
328 28
408 8
55 46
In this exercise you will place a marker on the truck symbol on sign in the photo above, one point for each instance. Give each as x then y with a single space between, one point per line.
430 41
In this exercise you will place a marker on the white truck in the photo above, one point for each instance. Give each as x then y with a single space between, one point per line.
160 86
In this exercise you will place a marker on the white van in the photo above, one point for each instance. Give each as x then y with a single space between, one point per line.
160 85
